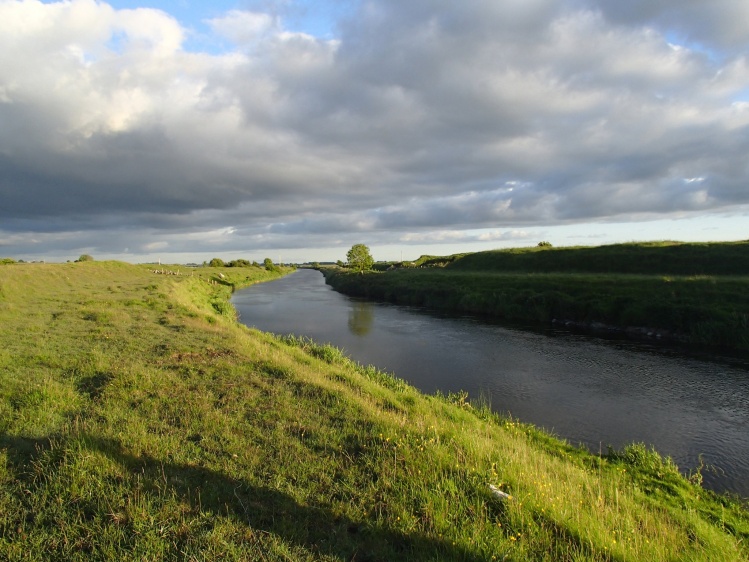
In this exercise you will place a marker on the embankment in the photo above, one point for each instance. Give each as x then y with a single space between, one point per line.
140 421
642 295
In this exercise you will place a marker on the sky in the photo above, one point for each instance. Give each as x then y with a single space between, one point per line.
178 131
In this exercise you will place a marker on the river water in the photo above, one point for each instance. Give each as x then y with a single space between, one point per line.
589 391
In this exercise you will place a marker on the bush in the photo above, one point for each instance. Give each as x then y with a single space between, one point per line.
85 257
216 262
269 265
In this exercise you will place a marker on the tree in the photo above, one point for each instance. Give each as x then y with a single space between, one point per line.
85 257
216 262
359 258
544 244
269 265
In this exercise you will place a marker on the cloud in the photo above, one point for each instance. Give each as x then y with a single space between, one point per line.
452 236
716 23
244 28
420 117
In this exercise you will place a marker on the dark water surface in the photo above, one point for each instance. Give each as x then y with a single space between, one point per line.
587 390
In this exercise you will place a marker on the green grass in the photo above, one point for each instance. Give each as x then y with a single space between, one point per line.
649 258
539 285
140 421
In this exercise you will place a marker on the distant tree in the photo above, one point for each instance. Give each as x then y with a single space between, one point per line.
85 257
340 263
315 265
359 258
544 244
238 263
7 261
269 265
216 262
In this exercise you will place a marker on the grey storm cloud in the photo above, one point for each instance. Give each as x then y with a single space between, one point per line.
419 115
720 22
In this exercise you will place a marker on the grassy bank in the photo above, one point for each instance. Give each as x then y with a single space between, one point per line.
140 421
629 287
648 258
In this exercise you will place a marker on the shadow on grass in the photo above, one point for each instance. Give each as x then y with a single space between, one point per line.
23 451
313 527
223 281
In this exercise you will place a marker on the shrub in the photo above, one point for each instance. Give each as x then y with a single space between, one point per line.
269 265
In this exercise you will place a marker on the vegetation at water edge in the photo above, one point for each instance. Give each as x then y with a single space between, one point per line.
695 293
140 421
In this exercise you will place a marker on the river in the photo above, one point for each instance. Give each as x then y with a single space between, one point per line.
590 391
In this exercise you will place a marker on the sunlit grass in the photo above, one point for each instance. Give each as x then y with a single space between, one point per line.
687 293
139 421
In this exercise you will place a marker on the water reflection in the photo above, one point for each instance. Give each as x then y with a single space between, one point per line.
361 317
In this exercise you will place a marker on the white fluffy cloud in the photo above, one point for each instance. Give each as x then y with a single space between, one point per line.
421 118
244 28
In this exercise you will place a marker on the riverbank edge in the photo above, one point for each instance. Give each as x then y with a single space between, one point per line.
398 408
673 310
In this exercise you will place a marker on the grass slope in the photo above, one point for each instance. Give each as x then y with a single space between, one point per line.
623 286
140 421
649 258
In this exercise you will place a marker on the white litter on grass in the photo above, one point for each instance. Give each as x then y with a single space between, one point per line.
499 493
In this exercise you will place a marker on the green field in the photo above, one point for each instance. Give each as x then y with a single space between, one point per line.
140 421
647 258
690 293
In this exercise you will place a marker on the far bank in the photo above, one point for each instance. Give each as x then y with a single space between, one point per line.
687 293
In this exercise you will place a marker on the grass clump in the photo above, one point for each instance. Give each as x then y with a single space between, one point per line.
141 423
